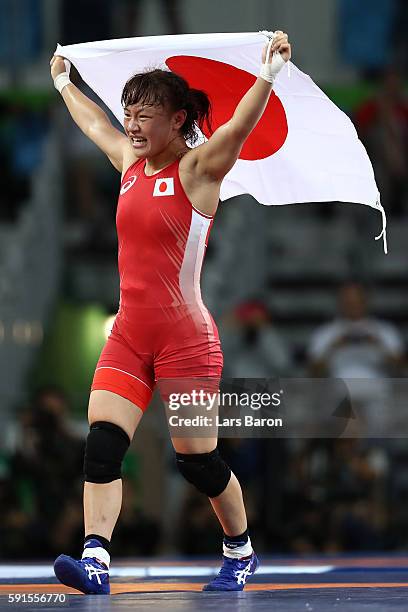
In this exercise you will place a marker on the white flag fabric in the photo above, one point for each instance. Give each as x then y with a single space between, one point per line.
304 148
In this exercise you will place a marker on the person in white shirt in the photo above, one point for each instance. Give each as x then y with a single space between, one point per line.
359 347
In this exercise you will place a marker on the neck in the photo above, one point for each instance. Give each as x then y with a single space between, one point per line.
175 150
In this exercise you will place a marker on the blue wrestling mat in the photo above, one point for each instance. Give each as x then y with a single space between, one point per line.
372 583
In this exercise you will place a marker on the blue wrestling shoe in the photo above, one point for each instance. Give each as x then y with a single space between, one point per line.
88 575
234 574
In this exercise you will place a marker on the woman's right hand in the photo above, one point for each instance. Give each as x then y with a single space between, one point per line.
57 66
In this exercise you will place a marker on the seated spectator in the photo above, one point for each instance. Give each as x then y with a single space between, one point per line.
382 124
22 134
400 35
46 466
356 42
359 348
252 346
136 534
340 484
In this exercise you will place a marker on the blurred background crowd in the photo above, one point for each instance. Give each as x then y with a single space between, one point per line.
297 291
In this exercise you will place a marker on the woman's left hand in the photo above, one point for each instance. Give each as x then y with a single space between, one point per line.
281 44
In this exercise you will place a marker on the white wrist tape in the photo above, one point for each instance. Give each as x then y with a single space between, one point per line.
270 70
61 80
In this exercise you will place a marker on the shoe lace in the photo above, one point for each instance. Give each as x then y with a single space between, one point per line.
94 571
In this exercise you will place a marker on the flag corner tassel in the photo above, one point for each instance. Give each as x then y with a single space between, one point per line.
383 233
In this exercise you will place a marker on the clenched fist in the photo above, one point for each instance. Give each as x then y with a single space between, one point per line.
281 44
57 66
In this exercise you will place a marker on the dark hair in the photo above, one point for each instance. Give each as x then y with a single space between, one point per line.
165 88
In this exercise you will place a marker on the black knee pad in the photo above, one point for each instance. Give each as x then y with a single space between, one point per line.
206 471
105 449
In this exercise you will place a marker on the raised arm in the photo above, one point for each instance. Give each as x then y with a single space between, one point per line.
216 157
90 118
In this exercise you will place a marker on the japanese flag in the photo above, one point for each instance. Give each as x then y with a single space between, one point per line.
164 187
304 148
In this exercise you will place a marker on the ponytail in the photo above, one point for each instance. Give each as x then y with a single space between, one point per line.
198 109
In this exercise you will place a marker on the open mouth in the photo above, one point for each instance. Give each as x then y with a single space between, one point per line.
137 142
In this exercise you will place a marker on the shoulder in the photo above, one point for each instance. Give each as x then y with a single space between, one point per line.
325 334
328 329
190 166
202 190
385 328
129 158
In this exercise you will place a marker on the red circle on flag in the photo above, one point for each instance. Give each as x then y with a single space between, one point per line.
225 86
162 186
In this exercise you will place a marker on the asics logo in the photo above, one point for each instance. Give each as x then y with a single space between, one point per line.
93 571
129 183
242 575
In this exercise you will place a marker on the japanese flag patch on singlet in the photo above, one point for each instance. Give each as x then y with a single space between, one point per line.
164 187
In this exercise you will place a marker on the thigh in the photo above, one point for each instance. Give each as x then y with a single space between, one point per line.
194 427
189 347
125 369
191 446
110 407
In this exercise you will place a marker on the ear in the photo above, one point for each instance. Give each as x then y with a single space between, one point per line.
179 118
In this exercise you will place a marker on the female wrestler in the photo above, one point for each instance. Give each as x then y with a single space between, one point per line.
168 198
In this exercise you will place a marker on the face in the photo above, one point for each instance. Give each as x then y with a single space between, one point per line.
353 302
151 128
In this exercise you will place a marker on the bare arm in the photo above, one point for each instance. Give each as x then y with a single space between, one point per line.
217 156
91 119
